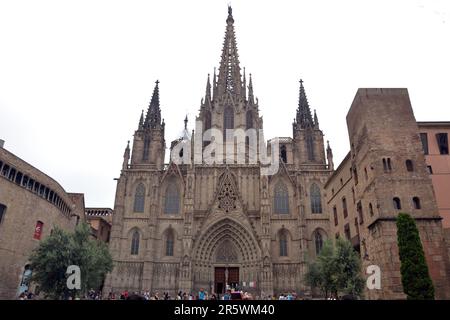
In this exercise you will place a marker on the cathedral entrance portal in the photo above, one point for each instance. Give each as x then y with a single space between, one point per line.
225 278
226 256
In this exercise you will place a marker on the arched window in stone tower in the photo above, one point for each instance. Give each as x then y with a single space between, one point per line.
169 243
397 203
249 120
316 199
135 243
281 199
283 153
318 241
145 153
139 198
310 146
207 120
172 204
228 119
416 203
283 243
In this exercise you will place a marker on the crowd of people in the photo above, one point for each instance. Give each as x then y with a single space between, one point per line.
202 294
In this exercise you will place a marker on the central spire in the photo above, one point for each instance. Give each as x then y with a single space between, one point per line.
304 117
153 118
229 70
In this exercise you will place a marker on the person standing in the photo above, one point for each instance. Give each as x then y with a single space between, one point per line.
201 294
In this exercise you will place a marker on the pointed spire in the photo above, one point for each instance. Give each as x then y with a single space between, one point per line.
126 156
153 118
304 118
330 156
251 99
316 120
185 135
229 70
230 19
214 84
244 86
208 89
141 121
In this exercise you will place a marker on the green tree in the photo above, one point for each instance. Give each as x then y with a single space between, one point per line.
313 276
336 270
49 261
416 280
322 273
348 261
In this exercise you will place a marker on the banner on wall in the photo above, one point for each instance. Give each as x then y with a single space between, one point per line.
38 230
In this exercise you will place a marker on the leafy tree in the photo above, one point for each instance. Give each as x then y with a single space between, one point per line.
313 276
348 261
328 268
322 273
49 261
336 270
416 280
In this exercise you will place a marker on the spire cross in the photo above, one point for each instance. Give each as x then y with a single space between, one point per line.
301 82
157 82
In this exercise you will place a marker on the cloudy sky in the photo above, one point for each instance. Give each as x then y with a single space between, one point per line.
75 75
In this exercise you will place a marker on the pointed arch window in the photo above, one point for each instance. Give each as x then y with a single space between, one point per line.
249 119
135 242
281 199
172 199
318 241
2 212
146 148
207 120
283 244
207 125
397 203
228 118
409 165
139 198
283 153
316 199
310 146
169 243
416 203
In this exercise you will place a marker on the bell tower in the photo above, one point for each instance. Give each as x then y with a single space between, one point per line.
308 138
229 103
149 143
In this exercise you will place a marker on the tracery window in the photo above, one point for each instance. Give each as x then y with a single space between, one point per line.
281 199
316 199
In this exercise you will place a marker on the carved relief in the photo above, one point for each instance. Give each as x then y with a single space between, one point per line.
227 253
227 195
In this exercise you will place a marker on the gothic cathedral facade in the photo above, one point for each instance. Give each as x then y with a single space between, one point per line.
192 226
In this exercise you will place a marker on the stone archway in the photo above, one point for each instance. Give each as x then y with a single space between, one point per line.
226 253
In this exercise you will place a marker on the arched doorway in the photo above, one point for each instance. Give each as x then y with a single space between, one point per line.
226 267
25 279
226 255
